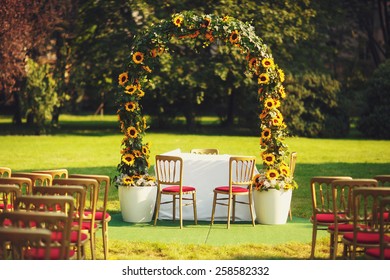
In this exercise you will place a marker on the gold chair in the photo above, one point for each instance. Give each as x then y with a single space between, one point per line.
366 220
5 171
8 195
342 191
24 184
383 252
293 161
322 205
92 188
57 223
14 242
102 217
169 170
38 179
383 180
78 237
55 173
210 151
240 184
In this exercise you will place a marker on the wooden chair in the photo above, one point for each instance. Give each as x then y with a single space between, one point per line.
102 217
14 242
322 205
169 170
292 163
342 191
92 189
209 151
57 223
8 194
366 221
38 179
383 180
55 173
240 184
79 238
5 171
383 251
25 184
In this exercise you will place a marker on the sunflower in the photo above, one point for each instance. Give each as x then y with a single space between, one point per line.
147 69
234 37
130 106
145 150
285 170
277 121
269 159
137 153
138 57
123 78
178 20
128 159
141 93
272 174
281 75
282 92
130 89
269 103
267 63
263 114
263 78
127 181
132 132
266 133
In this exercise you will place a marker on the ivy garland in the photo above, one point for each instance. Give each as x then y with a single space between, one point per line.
148 46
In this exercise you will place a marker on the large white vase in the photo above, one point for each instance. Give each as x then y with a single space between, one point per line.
137 203
272 206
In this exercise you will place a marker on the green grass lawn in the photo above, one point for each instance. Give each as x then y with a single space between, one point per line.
91 144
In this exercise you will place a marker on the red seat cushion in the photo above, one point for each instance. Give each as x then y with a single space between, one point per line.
365 238
9 206
342 227
98 215
177 189
375 253
235 189
57 236
39 254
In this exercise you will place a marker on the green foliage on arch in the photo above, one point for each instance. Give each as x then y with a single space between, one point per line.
207 29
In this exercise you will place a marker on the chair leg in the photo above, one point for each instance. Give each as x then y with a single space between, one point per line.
213 210
158 202
92 243
194 206
313 241
290 214
174 208
251 208
181 210
229 211
234 209
105 239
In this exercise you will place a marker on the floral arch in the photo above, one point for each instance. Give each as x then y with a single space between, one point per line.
134 164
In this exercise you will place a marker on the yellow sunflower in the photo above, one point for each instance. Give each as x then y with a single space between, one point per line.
147 69
285 170
178 20
263 78
277 121
266 133
281 75
123 78
269 103
145 150
267 63
128 159
269 159
130 106
272 174
132 132
130 89
141 93
282 92
138 57
127 181
234 37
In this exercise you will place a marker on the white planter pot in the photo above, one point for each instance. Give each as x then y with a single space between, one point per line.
137 203
272 206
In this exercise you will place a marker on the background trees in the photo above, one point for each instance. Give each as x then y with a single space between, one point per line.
328 49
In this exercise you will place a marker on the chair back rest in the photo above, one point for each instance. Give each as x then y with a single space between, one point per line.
384 225
52 203
342 191
169 170
241 170
5 171
38 179
209 151
321 193
55 173
383 180
24 184
15 241
8 194
293 161
57 223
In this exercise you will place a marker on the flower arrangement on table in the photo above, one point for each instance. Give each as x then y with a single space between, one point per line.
207 29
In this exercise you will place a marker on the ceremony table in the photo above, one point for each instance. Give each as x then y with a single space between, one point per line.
204 172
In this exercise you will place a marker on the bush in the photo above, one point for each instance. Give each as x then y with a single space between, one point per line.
375 119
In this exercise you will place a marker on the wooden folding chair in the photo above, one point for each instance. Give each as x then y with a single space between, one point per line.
5 171
8 194
38 179
207 151
25 184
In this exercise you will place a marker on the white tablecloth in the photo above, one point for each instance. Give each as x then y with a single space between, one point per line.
205 172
